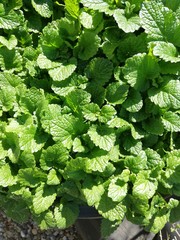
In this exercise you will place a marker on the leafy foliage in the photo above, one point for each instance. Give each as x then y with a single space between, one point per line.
89 111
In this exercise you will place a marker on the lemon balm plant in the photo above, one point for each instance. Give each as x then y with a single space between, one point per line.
89 111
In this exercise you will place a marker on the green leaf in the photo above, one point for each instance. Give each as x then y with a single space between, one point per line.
91 20
159 22
139 69
7 98
9 43
52 178
134 101
143 187
167 95
102 136
100 5
43 7
66 128
6 177
77 99
171 121
10 21
66 214
43 198
166 51
153 126
109 209
28 158
116 93
45 220
99 70
10 60
134 44
136 163
87 46
30 177
154 159
97 161
77 146
91 111
63 71
130 24
54 156
72 6
132 145
169 68
107 113
108 227
117 189
92 190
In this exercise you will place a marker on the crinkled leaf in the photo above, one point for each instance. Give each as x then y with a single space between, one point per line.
92 191
31 177
10 60
52 178
136 163
91 111
72 6
132 145
99 70
44 198
43 7
134 101
107 113
91 20
166 51
87 46
10 21
117 190
66 214
160 22
134 44
130 24
63 71
153 126
6 177
171 121
54 156
9 43
77 99
116 93
167 95
102 136
139 69
143 187
65 128
109 209
100 5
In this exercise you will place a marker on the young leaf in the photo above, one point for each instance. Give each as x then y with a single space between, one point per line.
72 6
91 111
100 5
130 24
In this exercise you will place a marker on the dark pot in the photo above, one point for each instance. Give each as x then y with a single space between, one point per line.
88 226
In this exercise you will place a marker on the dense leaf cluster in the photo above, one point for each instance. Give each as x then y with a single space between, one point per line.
89 110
